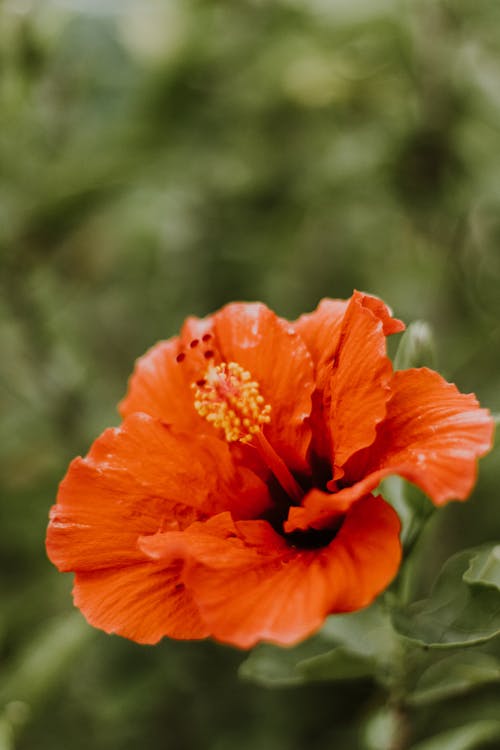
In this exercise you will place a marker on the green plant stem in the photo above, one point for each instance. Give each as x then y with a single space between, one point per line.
402 734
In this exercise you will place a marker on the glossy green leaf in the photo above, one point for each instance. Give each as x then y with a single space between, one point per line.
367 633
273 666
455 613
484 568
455 675
348 647
337 664
468 737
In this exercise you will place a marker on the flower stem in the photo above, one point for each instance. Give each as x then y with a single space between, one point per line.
402 732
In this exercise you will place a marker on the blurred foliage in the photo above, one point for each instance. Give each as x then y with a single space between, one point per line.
159 158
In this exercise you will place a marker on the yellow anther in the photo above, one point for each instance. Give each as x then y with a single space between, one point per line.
230 400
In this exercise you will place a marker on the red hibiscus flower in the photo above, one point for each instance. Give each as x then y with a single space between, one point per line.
235 499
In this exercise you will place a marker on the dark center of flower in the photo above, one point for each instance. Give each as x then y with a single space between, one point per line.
311 538
308 539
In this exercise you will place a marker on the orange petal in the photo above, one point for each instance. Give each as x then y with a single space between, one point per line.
320 330
136 480
381 311
318 510
277 358
325 333
255 338
250 585
432 435
143 602
321 510
161 386
359 385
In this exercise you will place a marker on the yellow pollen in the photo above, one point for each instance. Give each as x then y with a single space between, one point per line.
230 400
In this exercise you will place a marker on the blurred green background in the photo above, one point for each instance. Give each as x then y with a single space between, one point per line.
159 158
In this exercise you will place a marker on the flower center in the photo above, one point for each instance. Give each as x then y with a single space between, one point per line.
231 401
228 398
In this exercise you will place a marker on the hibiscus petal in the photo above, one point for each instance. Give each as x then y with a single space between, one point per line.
381 311
334 334
250 585
143 602
137 479
161 386
318 510
277 358
320 329
359 386
321 510
255 338
432 435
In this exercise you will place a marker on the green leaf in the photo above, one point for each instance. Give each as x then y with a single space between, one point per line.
337 664
273 666
454 675
484 568
464 738
455 613
367 633
349 646
416 347
268 667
